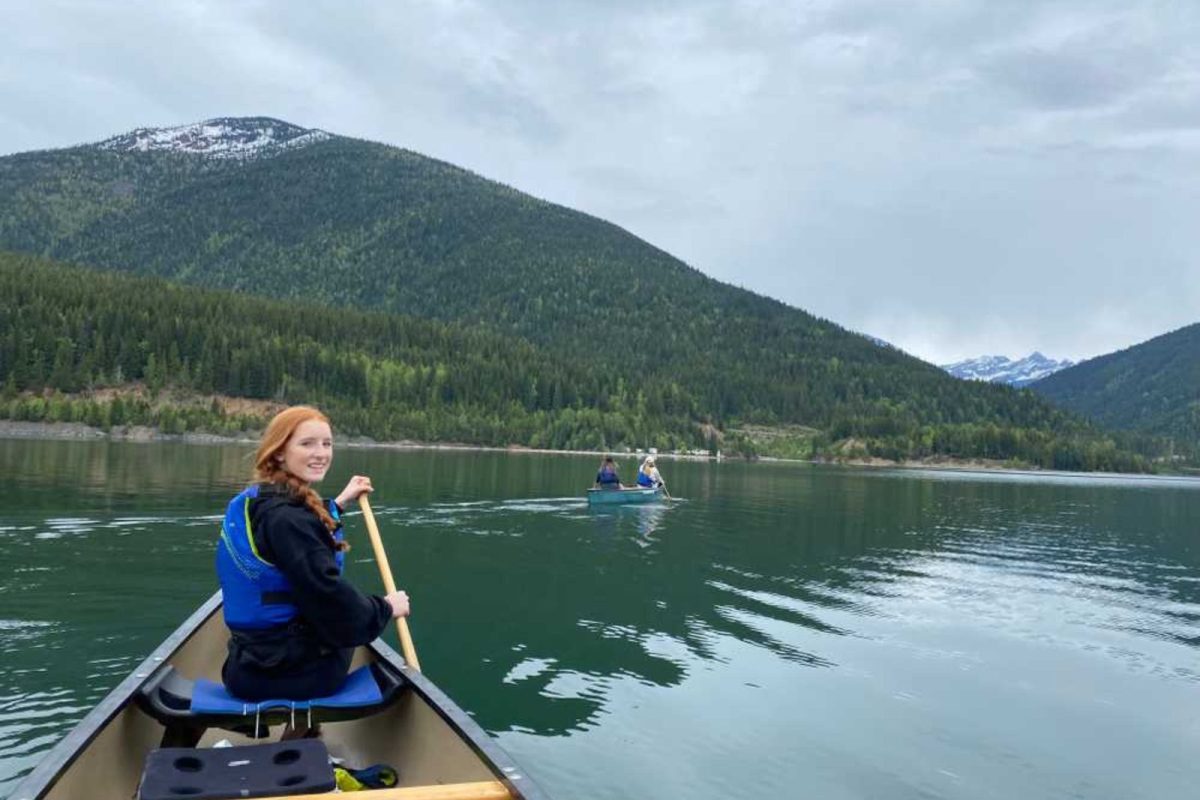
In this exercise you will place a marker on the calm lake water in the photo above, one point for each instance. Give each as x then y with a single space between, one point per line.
780 631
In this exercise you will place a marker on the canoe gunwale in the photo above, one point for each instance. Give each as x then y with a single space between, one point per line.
476 737
46 773
43 777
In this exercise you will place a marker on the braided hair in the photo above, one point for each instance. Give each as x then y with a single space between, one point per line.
268 466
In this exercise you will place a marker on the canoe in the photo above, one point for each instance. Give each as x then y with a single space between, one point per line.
439 752
622 496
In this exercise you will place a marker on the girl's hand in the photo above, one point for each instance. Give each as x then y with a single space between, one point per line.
399 603
358 486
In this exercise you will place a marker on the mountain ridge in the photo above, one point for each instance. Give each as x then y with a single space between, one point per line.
1001 369
130 220
220 137
1153 386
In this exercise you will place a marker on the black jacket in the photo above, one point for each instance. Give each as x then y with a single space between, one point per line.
333 613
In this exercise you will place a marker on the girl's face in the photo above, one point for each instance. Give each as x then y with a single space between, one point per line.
309 452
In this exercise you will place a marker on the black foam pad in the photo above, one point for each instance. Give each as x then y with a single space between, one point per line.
299 766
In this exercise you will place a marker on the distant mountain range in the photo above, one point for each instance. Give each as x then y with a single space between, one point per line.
1000 369
262 206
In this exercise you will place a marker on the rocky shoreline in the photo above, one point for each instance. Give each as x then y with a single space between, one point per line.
72 431
77 431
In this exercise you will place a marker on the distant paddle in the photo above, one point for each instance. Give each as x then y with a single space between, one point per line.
664 488
389 584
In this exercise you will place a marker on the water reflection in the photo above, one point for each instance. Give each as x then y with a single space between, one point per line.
790 566
785 593
644 518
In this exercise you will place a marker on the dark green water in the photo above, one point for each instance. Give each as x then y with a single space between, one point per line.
784 631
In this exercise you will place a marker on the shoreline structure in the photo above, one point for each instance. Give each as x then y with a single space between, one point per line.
77 431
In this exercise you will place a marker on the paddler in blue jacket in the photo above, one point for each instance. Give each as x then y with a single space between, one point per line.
294 620
648 476
607 477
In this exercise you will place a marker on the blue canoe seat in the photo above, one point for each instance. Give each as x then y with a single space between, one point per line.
188 708
360 690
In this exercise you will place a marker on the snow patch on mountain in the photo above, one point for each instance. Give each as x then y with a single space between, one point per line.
880 342
225 137
1001 369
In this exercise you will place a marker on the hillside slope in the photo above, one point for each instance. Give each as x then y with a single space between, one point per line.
105 348
363 225
1152 387
75 331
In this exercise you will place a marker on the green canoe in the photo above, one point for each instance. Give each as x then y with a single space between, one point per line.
597 497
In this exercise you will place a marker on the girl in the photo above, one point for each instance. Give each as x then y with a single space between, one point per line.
293 620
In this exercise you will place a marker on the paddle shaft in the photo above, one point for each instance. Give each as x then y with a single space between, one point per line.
389 583
663 484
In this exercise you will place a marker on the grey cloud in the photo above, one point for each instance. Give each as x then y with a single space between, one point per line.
493 108
389 55
1172 104
1072 78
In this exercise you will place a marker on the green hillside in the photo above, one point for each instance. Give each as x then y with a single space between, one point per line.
363 225
358 225
67 334
75 331
1152 387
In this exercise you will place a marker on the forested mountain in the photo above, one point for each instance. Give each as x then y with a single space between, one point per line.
75 331
1153 387
68 335
328 220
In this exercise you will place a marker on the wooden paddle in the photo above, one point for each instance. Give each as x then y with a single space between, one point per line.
389 584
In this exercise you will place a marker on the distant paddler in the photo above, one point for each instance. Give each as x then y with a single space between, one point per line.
607 477
649 477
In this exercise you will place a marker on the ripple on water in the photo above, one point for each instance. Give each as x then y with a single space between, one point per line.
481 518
1058 591
18 635
955 621
63 527
528 668
31 722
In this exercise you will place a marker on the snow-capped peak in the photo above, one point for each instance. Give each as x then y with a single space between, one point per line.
225 137
1001 369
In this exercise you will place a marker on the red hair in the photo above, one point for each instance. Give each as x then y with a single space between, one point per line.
268 464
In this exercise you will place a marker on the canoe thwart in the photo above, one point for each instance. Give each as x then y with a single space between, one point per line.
476 790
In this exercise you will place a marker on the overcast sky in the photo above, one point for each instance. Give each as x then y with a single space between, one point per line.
958 177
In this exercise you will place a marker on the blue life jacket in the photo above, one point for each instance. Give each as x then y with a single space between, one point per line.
256 593
607 475
644 479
